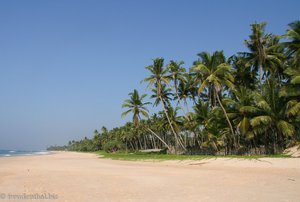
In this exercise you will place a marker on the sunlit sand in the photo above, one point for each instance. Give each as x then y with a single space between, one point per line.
68 176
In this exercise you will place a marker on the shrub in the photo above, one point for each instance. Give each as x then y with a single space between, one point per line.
113 146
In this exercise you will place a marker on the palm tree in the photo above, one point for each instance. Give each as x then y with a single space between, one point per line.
264 54
165 95
242 72
158 78
176 121
215 74
293 46
177 73
187 89
291 89
211 127
256 45
241 108
137 107
273 119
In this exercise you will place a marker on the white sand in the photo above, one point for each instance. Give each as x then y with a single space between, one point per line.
82 177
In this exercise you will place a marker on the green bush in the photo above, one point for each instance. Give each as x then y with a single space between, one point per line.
113 146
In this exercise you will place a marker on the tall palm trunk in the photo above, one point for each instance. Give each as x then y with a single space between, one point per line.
182 107
173 131
151 131
260 73
228 121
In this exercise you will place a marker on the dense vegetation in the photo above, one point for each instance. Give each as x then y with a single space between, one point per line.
248 103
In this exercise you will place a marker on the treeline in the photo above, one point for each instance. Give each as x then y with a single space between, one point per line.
248 103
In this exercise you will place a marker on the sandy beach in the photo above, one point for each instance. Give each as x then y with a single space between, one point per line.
75 177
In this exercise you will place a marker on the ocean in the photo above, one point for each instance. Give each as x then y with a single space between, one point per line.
8 153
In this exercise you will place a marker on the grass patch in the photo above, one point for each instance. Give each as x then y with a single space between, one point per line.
154 156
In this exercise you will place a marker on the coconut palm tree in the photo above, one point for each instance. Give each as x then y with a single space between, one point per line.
211 127
215 74
187 89
158 78
165 95
243 76
264 55
137 107
176 120
256 45
291 89
241 108
177 73
273 120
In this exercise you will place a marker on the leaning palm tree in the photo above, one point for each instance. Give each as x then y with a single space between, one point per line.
158 78
176 120
136 107
215 74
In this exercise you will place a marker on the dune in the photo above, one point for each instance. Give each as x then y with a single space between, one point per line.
74 177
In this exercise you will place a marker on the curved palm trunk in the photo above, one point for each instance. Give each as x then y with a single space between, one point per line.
181 106
151 131
228 121
175 134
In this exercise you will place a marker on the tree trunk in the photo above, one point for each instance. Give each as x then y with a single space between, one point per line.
145 142
260 74
229 123
151 131
132 146
140 143
173 131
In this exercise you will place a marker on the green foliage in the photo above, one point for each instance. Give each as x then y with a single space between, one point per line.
113 146
248 104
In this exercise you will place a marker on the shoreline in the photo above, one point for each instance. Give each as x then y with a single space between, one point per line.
15 153
75 176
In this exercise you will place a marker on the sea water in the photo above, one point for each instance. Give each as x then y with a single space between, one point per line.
8 153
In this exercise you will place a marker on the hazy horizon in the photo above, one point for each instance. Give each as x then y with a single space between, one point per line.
67 66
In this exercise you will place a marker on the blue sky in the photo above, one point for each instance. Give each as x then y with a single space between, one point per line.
67 66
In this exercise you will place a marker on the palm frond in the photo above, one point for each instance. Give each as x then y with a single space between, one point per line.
286 128
260 120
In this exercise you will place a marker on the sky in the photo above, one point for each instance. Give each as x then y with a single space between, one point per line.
66 66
